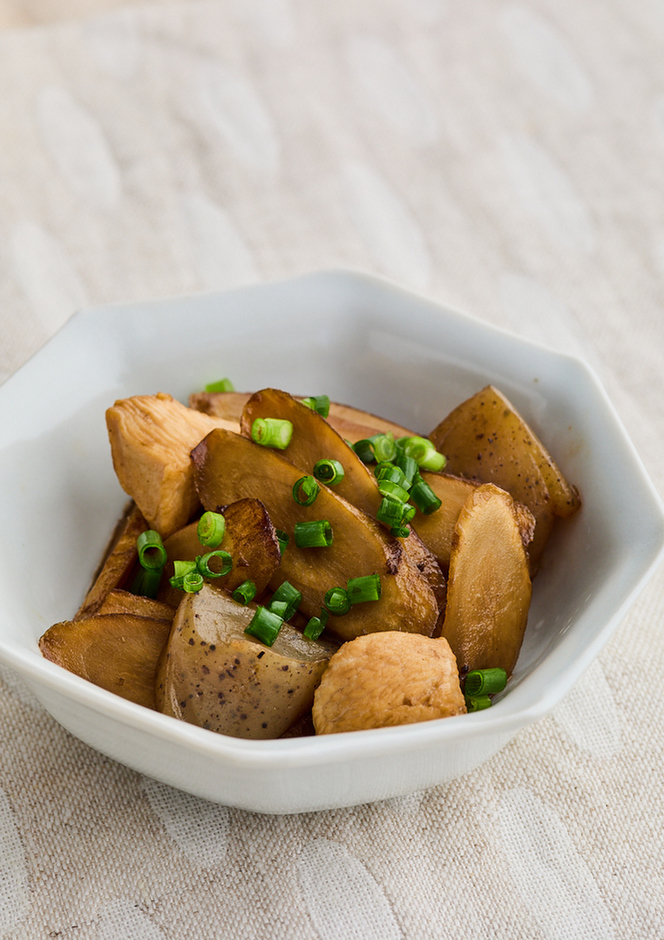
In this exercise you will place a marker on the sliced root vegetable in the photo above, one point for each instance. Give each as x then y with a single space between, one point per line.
124 602
388 679
229 467
489 588
118 563
118 652
249 538
151 437
216 676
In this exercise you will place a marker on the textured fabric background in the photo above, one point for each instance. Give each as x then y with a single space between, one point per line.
506 158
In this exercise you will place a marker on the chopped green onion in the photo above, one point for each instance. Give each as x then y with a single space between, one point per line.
272 432
409 513
289 596
280 608
384 447
424 497
147 581
391 511
423 452
245 592
392 474
181 568
363 589
337 601
151 551
364 450
329 471
211 529
319 403
400 531
283 538
393 491
315 534
264 625
223 385
192 582
476 703
305 491
203 564
485 681
316 625
408 465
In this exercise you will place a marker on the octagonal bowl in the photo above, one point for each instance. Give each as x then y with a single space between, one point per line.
364 342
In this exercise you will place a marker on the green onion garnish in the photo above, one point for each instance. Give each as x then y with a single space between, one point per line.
384 447
477 703
363 589
329 471
279 608
409 513
316 625
283 538
272 432
192 582
315 534
423 452
147 581
223 385
203 564
391 511
289 596
485 681
245 592
393 491
400 531
337 601
151 551
424 497
264 625
181 570
407 465
390 473
319 403
305 491
364 450
211 529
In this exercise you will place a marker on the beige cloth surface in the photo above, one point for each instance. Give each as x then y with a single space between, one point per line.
502 157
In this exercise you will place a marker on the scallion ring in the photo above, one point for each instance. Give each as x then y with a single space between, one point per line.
316 625
151 551
423 452
337 601
477 703
203 563
424 497
272 432
305 491
245 592
329 471
147 581
363 589
287 595
393 491
391 511
364 450
192 582
485 681
318 403
384 447
264 626
315 534
211 529
223 385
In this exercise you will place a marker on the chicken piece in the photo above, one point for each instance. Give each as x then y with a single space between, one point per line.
151 437
386 679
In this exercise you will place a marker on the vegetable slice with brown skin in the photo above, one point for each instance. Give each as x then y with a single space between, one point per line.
486 440
124 602
151 437
250 539
489 586
229 467
118 652
215 676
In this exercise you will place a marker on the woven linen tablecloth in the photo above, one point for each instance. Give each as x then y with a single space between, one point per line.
505 158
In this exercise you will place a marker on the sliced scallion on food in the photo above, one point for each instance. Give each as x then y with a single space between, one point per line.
203 564
316 625
363 589
329 471
384 446
305 491
223 385
272 432
390 511
407 465
245 592
315 534
485 681
477 703
319 403
364 450
151 551
400 532
424 497
288 595
264 626
423 452
211 529
283 538
147 581
337 601
192 582
393 490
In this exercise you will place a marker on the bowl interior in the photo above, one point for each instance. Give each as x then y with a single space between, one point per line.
361 341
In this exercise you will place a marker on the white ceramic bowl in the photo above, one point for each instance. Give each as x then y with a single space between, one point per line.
363 342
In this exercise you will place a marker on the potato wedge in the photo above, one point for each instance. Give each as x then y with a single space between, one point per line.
250 539
216 676
118 564
124 602
489 588
227 467
151 437
118 652
486 440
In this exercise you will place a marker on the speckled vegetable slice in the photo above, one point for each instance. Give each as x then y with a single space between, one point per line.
489 586
228 467
215 676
